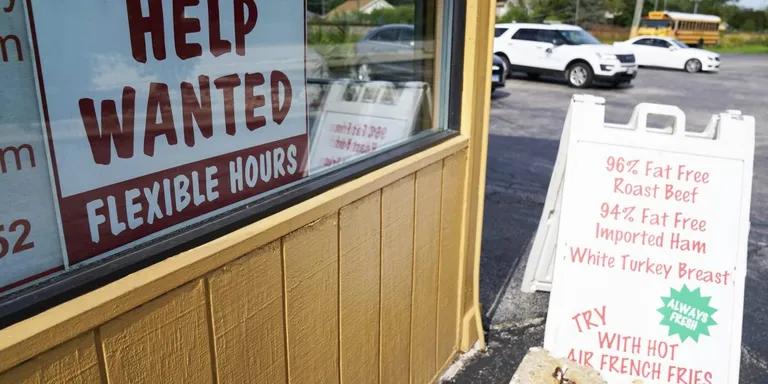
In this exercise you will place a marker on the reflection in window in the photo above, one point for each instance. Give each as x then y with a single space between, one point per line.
380 81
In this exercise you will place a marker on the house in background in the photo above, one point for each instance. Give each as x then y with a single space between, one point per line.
364 6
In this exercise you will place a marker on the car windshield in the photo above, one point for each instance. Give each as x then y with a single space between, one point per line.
578 37
649 23
679 44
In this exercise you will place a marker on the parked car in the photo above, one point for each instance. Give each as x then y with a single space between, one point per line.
666 52
389 52
562 50
498 74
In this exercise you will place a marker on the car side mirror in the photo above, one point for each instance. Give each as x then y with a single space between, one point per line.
557 42
672 48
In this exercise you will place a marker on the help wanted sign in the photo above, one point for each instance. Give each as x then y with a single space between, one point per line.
162 113
651 249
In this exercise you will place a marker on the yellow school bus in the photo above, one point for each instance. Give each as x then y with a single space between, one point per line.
694 29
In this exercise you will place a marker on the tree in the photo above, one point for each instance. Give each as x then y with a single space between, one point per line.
515 13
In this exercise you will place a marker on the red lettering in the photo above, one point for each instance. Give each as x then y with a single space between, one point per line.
21 226
101 137
182 26
218 45
197 109
253 102
227 85
138 25
243 24
279 112
159 100
15 152
4 47
10 6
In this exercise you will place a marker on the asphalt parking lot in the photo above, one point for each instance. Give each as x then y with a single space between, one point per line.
526 121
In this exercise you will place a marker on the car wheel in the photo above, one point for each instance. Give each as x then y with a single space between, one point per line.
579 75
506 64
364 72
693 66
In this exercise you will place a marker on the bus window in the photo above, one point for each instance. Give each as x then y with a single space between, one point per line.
648 23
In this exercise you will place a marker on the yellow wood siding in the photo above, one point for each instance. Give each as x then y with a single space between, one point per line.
310 268
397 205
164 341
359 284
426 256
246 299
450 257
74 362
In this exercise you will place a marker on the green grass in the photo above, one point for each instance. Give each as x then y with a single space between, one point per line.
754 49
749 43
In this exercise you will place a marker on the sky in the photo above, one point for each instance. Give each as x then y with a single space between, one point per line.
756 4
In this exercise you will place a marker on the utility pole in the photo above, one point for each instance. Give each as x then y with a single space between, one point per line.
696 6
656 5
637 16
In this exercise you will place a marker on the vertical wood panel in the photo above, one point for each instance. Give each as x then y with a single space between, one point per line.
164 341
427 248
247 313
74 362
310 265
359 274
450 252
397 203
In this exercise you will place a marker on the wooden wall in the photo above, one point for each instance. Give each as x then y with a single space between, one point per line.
371 293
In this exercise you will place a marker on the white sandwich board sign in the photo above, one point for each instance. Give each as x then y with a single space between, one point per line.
358 119
650 256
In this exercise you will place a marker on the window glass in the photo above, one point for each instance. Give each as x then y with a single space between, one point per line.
578 37
548 36
500 31
643 42
648 23
127 130
661 43
406 35
525 34
386 34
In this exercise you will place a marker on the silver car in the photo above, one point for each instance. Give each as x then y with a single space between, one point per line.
389 52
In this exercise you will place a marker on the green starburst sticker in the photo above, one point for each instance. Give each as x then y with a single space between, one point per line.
687 313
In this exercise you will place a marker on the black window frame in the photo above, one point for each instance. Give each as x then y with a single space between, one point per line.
35 299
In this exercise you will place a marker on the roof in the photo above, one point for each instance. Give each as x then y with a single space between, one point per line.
692 17
539 26
355 5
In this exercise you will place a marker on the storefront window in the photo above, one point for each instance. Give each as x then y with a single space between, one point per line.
133 130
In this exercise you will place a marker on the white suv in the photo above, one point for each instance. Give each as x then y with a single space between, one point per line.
561 49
